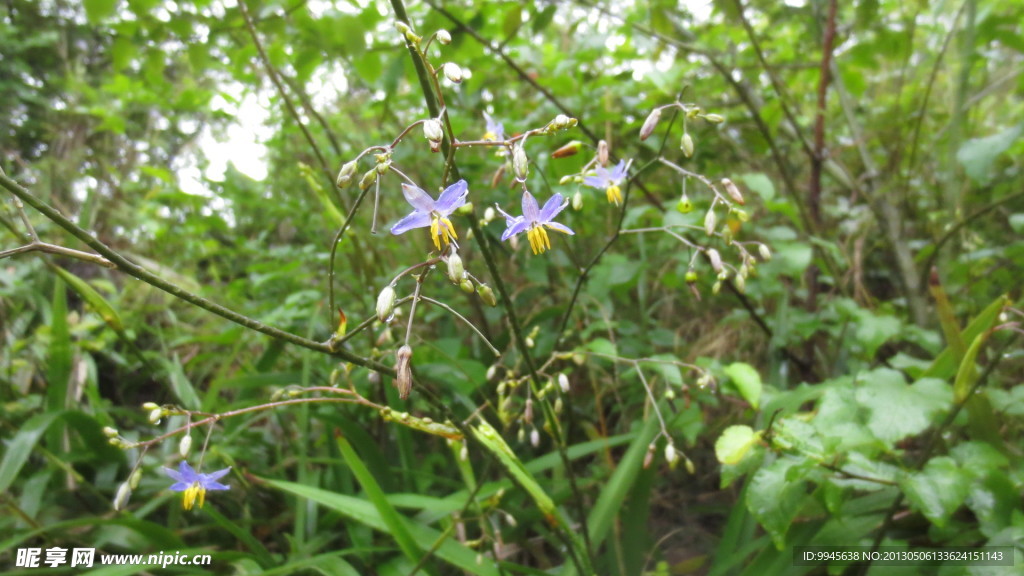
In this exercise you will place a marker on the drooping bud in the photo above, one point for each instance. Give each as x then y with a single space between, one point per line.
714 118
689 465
110 432
345 175
453 72
492 371
577 201
368 179
733 191
710 221
404 29
741 284
487 295
520 164
403 371
765 253
603 153
534 438
432 130
185 445
455 268
149 406
528 410
489 214
569 149
124 492
444 37
716 259
386 303
563 383
135 478
686 145
466 285
650 124
649 456
156 414
671 456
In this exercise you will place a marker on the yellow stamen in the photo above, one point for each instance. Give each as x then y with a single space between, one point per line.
442 229
490 136
539 240
614 195
202 496
193 491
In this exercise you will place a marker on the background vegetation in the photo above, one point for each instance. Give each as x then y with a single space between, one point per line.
644 413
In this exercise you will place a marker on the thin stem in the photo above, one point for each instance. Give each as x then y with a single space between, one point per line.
464 320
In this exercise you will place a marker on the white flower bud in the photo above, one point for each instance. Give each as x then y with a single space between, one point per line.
714 118
453 72
444 37
185 445
565 179
765 253
733 191
156 414
489 214
603 152
535 438
710 221
386 303
716 259
109 432
124 492
577 201
686 145
345 175
650 124
492 371
432 130
520 164
455 268
563 383
671 456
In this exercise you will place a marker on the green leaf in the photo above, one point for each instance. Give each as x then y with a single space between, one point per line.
364 512
58 360
20 447
774 498
747 381
977 155
734 443
181 385
896 409
760 184
967 375
947 363
98 10
937 490
93 298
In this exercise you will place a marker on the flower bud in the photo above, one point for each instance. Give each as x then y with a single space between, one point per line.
124 492
534 438
716 259
686 145
432 130
489 214
466 285
671 456
602 153
403 370
685 206
565 179
156 414
135 478
487 295
492 371
368 179
528 410
650 124
185 445
733 191
577 201
563 382
765 253
714 118
455 268
383 166
110 432
386 303
404 29
689 465
346 173
453 72
444 37
710 221
741 284
570 149
149 406
716 287
520 164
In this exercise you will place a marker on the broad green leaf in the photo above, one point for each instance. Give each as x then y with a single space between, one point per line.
20 447
937 490
759 183
747 381
896 409
947 363
98 10
734 443
977 155
774 498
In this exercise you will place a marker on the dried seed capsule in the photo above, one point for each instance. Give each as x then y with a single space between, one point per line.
403 370
733 191
650 124
603 153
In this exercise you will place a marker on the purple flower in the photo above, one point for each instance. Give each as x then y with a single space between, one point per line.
434 214
534 221
194 484
495 130
608 180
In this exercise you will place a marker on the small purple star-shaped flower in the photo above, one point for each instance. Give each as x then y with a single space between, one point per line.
608 180
194 484
428 212
495 130
534 221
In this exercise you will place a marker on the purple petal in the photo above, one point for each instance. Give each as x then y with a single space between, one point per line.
515 227
595 182
187 473
619 172
215 486
560 227
419 199
452 198
530 210
551 208
180 486
216 475
415 220
174 474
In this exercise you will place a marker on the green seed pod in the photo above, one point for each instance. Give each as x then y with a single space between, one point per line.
368 179
455 268
685 206
124 492
714 118
487 295
686 145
